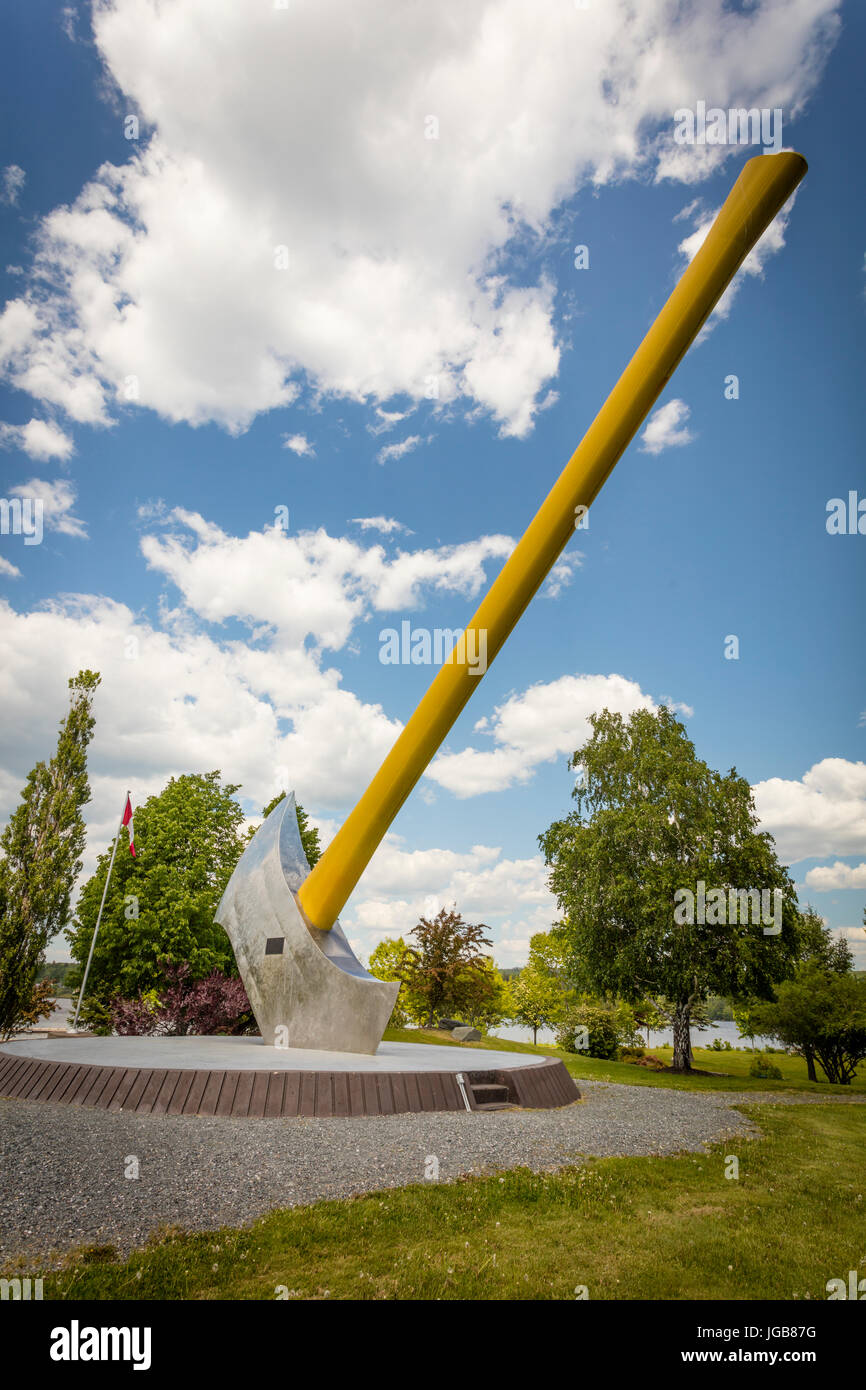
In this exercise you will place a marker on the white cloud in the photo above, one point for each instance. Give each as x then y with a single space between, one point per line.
545 722
57 500
299 444
6 567
666 428
400 449
386 524
827 877
12 181
308 586
510 896
396 266
39 439
561 575
823 814
772 241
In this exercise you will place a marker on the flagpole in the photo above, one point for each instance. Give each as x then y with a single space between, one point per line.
99 916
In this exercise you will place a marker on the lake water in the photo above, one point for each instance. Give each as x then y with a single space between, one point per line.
724 1029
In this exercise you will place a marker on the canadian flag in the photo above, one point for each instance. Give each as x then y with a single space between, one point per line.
127 820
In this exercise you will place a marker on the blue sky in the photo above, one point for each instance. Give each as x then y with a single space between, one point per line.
225 644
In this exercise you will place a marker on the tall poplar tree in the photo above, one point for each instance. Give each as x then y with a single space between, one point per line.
42 847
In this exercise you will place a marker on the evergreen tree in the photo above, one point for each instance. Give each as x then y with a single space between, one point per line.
42 848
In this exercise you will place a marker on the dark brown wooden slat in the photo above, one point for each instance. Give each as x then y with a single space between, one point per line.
307 1102
291 1093
426 1093
226 1101
356 1093
398 1093
211 1094
80 1086
259 1095
276 1087
325 1094
97 1081
243 1092
106 1095
118 1100
70 1084
442 1099
181 1092
386 1094
371 1093
192 1103
413 1096
8 1067
162 1099
341 1093
26 1076
48 1079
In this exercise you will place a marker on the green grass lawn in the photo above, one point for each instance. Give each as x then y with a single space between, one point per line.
625 1228
731 1068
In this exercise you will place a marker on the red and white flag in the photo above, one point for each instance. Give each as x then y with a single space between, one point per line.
127 820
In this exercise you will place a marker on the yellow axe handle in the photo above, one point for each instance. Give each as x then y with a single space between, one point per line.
764 185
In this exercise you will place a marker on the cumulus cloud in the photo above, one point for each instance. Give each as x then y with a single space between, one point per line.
311 585
510 896
39 439
225 267
8 569
57 500
822 814
547 721
299 444
827 877
666 428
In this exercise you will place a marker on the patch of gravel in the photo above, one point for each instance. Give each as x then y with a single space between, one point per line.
62 1168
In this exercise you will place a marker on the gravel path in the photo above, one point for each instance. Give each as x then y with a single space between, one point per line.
62 1168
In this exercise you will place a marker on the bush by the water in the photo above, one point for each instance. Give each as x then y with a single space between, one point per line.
764 1069
597 1030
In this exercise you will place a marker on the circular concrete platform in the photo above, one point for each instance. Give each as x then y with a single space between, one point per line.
240 1076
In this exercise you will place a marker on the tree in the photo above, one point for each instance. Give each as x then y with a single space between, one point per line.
481 996
42 848
818 946
443 967
537 999
386 962
652 822
309 834
822 1012
160 905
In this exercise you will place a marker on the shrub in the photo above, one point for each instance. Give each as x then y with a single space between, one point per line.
215 1004
597 1029
764 1069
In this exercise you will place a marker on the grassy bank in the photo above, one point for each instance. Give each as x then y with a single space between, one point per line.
625 1228
730 1070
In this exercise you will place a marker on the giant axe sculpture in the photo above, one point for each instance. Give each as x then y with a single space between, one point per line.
306 987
